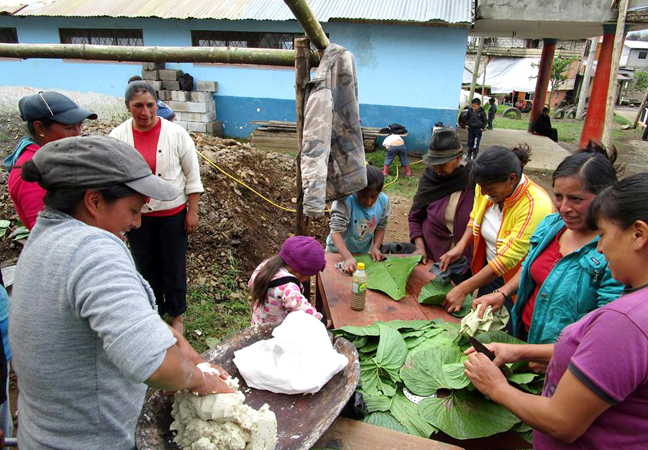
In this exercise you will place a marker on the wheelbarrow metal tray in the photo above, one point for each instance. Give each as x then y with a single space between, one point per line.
301 419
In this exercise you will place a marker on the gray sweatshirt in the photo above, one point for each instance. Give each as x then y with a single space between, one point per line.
84 335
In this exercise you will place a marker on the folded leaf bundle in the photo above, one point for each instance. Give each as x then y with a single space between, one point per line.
389 276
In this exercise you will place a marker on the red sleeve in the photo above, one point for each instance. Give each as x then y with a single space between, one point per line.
27 197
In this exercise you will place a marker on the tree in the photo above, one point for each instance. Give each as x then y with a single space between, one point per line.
558 74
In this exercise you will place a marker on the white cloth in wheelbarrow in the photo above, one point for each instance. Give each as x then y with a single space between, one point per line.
299 359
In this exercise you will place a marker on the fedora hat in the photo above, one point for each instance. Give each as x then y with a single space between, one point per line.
445 146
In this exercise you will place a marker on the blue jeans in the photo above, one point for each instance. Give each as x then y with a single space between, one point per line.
395 150
474 137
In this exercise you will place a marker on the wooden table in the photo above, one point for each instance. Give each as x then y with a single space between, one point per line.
348 434
333 296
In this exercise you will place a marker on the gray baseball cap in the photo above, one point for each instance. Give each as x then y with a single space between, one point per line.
97 162
54 106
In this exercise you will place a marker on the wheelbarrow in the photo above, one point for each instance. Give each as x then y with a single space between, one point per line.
301 419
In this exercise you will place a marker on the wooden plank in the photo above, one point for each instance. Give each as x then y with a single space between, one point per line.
336 296
347 434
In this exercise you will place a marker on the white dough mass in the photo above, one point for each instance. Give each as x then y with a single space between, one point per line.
222 422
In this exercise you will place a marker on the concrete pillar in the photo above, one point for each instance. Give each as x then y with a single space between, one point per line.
595 118
542 83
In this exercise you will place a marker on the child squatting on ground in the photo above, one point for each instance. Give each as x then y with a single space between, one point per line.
395 146
359 221
275 283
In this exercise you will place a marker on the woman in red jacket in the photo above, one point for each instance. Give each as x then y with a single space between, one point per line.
50 116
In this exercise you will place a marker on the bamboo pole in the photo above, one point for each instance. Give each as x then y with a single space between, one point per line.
584 90
616 56
302 77
309 22
227 55
475 74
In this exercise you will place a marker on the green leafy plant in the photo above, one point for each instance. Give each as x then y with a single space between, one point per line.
4 227
427 358
19 233
389 276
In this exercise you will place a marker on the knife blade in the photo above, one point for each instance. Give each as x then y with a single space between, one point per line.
481 348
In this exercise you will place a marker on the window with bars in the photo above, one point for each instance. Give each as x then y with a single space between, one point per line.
101 36
284 41
8 36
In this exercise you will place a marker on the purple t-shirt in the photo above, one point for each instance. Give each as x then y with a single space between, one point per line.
607 350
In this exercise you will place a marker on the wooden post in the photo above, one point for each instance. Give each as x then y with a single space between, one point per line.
584 90
473 83
595 118
641 108
616 56
542 82
302 77
228 55
483 93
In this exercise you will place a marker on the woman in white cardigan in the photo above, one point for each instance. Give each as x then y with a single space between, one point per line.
159 246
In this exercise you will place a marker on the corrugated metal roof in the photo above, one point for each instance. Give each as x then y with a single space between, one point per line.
10 9
165 9
421 11
450 11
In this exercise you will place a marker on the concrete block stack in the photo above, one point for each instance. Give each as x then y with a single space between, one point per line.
195 111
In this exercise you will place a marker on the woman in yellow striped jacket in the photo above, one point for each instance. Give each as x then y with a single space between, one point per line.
507 209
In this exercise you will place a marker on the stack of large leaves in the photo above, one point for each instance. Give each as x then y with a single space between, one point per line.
389 276
435 291
426 358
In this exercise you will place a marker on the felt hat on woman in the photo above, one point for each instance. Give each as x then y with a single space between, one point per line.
303 254
445 146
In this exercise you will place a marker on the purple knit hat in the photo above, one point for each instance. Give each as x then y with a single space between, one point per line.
304 254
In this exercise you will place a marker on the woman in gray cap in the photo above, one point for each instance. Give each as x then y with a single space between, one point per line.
441 208
85 334
50 116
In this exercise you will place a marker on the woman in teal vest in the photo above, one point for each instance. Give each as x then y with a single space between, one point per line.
563 277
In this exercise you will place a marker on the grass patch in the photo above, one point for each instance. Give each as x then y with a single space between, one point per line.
569 130
403 186
217 318
620 120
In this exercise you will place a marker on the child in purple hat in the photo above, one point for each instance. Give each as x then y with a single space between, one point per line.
276 282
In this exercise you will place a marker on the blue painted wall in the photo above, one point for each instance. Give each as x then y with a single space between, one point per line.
406 74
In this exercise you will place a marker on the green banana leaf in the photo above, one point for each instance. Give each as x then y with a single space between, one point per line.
385 420
407 413
377 402
466 307
467 415
434 369
435 291
389 276
379 375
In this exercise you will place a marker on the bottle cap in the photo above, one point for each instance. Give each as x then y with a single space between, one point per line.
360 266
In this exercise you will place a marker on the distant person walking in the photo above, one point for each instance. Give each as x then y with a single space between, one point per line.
476 121
492 112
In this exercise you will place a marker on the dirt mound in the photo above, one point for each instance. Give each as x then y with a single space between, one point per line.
234 222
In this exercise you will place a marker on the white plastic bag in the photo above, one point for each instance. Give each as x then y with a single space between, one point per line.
299 359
